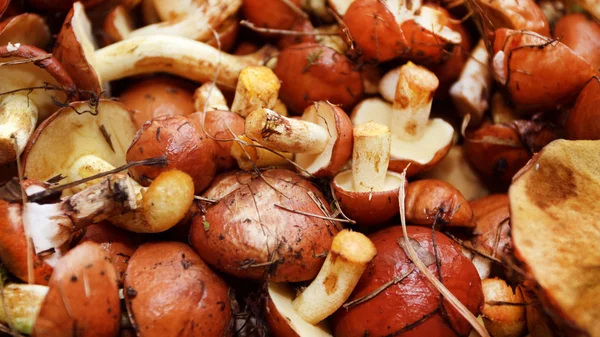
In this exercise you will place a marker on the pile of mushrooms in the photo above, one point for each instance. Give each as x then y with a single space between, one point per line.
299 168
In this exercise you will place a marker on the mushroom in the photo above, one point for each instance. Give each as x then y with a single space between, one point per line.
27 29
81 298
553 209
257 87
397 29
582 35
471 93
276 14
368 193
321 140
277 230
348 258
158 96
254 155
170 291
416 140
434 202
582 121
524 63
515 14
185 147
393 297
176 55
26 72
504 310
312 72
210 96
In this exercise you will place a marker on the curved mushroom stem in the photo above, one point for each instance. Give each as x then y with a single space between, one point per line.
472 90
370 156
176 55
412 102
18 118
285 134
350 253
246 156
22 303
257 87
211 97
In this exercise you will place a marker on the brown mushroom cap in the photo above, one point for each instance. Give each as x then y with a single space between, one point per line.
516 14
583 121
339 146
158 96
26 29
186 149
411 307
170 291
274 14
54 147
83 296
257 239
554 220
118 244
431 201
367 208
582 35
219 125
13 246
310 72
492 235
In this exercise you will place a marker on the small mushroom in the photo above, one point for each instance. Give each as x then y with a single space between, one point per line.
209 96
276 229
368 193
504 309
158 96
257 87
416 139
176 55
321 140
348 258
169 291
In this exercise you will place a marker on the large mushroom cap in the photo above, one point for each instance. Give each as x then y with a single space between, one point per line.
104 130
83 296
555 229
248 235
170 291
411 307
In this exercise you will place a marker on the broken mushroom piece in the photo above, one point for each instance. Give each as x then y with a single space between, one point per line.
170 291
303 316
321 139
21 305
175 55
504 310
394 298
434 202
553 208
257 87
368 193
416 140
471 93
27 71
524 63
279 228
208 96
158 96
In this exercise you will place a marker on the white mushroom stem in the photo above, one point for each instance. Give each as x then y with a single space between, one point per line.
285 134
196 25
210 96
87 166
176 55
350 253
472 90
412 102
20 305
370 156
18 118
248 156
257 87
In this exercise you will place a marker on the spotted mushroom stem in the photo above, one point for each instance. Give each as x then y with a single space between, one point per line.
248 156
21 304
412 102
19 118
285 134
257 87
350 253
370 156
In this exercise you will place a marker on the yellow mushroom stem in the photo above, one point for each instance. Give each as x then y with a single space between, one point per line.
247 155
370 156
350 253
257 87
